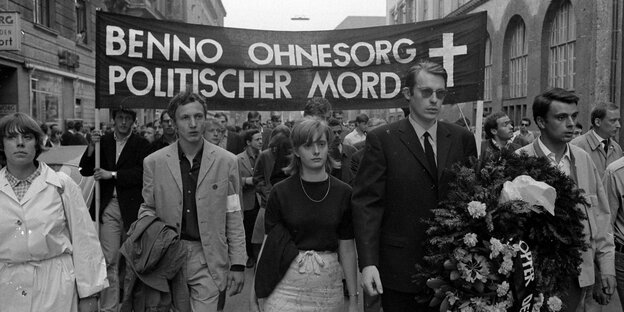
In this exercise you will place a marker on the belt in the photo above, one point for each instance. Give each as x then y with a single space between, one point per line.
619 247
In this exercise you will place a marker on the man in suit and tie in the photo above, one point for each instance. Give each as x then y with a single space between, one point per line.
193 186
120 176
246 164
600 142
401 178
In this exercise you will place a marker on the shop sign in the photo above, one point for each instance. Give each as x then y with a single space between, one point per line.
10 33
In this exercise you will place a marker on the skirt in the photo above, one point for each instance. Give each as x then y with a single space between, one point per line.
313 283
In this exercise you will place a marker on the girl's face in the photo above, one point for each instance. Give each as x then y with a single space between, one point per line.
314 155
20 149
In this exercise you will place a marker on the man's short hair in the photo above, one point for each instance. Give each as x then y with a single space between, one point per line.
361 118
276 116
541 104
218 115
333 122
491 123
70 125
253 114
318 107
423 65
44 128
527 119
77 125
248 134
183 98
337 112
600 111
162 116
125 111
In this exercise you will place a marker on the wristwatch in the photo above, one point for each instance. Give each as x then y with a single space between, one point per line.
114 173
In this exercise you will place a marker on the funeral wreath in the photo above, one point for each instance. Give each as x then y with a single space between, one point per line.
508 237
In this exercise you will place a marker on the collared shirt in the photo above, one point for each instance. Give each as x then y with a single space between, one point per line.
120 143
599 138
433 135
354 137
20 187
563 164
252 158
190 174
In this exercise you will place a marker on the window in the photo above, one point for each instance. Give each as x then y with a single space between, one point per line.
42 12
84 94
518 51
561 57
46 97
515 112
411 11
487 75
440 9
81 21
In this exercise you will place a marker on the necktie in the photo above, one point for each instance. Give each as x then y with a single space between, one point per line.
606 145
430 155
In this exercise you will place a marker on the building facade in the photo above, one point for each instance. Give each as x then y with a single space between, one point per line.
533 45
52 76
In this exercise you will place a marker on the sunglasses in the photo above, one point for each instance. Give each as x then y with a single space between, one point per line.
428 92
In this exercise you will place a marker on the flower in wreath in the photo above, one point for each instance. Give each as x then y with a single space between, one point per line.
502 289
554 304
476 209
475 268
496 247
506 266
470 239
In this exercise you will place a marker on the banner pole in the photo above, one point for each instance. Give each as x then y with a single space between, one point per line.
97 165
479 126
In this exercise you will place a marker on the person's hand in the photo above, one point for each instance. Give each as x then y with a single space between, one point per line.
371 282
101 174
88 304
95 136
608 284
236 281
599 295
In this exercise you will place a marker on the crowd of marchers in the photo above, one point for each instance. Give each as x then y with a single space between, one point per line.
189 205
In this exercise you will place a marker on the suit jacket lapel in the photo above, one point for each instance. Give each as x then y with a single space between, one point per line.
443 146
411 141
206 162
173 162
247 162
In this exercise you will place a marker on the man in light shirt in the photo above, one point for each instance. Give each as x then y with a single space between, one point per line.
600 142
359 133
555 112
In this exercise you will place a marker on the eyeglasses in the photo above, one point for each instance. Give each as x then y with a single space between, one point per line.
428 92
337 132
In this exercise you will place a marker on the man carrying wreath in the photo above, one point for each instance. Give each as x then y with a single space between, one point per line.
555 112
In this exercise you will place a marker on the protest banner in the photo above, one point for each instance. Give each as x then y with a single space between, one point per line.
143 63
